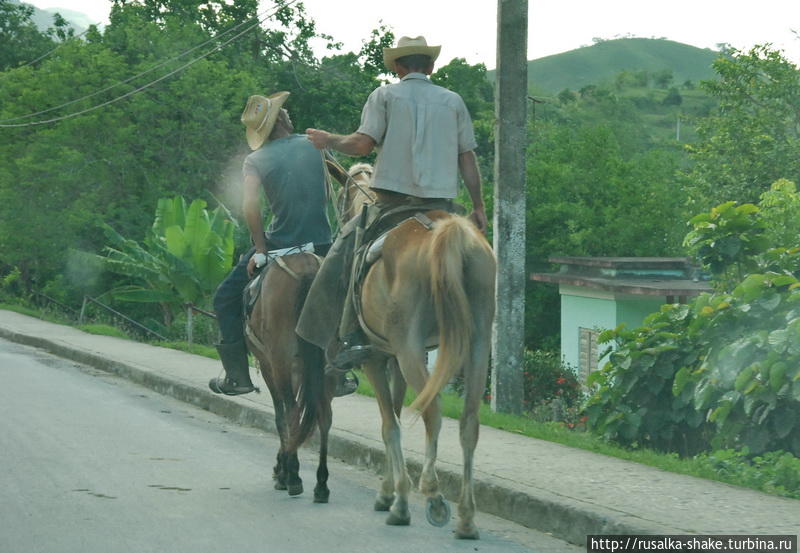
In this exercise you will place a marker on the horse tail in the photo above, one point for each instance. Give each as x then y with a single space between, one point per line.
450 246
311 394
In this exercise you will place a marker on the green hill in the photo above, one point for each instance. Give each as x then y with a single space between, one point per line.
603 61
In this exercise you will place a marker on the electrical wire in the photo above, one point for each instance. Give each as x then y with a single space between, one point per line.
129 79
156 81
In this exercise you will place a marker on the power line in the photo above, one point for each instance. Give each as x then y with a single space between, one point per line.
156 81
129 79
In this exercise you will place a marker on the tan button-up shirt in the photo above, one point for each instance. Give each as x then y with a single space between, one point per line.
419 128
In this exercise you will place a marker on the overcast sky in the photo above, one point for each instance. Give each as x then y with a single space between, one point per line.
467 28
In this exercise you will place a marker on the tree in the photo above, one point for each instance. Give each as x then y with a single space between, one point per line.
663 78
673 97
753 137
595 190
21 39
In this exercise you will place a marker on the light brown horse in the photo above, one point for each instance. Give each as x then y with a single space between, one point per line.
429 288
293 369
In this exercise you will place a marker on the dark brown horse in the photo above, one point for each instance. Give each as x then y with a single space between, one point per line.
430 288
292 368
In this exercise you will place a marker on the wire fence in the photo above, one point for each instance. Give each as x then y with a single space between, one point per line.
108 314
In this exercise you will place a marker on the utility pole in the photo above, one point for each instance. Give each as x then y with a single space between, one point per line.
511 93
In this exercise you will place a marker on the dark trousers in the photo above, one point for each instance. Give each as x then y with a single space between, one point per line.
228 303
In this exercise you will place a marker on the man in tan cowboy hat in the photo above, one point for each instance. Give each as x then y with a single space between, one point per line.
425 138
290 171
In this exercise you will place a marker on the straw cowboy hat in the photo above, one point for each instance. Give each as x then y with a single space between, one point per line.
407 46
259 117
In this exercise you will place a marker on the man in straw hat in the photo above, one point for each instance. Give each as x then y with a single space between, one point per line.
425 139
290 171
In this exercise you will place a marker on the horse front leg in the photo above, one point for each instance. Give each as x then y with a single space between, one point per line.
385 497
396 484
321 491
279 470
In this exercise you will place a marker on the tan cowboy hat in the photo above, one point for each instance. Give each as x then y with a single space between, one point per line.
259 117
407 46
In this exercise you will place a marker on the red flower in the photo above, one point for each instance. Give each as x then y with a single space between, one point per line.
561 380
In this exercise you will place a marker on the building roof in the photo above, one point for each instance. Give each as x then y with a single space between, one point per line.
647 276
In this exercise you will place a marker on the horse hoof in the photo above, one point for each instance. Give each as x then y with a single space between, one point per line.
467 532
398 520
383 503
295 489
321 495
437 511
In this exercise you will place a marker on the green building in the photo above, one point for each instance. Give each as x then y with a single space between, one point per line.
599 293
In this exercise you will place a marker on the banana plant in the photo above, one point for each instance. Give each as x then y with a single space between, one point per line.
185 255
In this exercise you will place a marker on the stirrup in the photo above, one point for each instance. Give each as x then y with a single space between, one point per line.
349 358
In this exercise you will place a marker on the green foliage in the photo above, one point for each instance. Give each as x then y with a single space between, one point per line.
749 380
593 190
725 370
776 472
60 182
22 41
673 98
752 138
727 239
187 253
633 402
781 204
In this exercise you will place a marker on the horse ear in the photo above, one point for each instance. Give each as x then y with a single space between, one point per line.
337 171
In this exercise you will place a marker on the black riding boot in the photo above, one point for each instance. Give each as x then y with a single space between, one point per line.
237 371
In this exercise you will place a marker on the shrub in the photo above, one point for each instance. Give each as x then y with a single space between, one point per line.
549 384
633 402
725 370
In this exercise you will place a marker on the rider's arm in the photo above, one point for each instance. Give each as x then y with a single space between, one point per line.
251 208
471 174
355 144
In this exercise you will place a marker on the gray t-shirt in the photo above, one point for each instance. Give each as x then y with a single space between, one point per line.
291 172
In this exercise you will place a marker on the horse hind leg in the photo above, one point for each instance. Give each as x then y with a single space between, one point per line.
437 508
474 386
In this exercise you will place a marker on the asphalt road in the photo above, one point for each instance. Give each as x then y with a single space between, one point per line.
92 463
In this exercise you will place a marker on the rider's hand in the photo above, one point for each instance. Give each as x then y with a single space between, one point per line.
318 138
252 265
478 217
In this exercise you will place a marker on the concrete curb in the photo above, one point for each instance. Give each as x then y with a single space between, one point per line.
562 517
